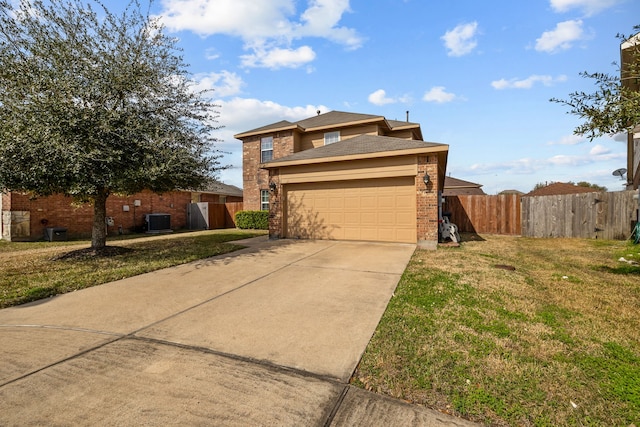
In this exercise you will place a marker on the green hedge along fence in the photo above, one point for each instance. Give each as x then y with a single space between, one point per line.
252 220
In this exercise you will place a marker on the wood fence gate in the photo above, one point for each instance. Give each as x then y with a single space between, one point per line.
223 215
485 214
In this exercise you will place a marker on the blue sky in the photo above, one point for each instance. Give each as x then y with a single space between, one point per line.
477 75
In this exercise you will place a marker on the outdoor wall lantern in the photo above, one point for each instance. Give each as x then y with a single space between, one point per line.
272 186
426 179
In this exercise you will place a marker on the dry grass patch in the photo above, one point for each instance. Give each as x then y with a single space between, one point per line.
515 331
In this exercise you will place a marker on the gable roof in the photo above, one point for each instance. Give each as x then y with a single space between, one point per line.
359 147
397 124
457 187
216 187
560 188
279 126
328 120
451 182
334 118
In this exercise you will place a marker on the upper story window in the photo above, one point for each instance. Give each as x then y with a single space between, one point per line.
331 137
266 149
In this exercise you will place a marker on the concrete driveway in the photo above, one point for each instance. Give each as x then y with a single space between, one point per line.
269 335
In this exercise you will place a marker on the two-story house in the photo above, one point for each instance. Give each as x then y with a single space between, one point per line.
345 176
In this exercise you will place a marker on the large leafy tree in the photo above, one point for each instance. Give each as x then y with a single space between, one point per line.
614 107
94 103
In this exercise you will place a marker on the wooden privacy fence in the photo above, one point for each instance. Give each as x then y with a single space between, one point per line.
223 215
584 215
485 214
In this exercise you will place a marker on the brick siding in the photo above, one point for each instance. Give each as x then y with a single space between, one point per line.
254 178
427 199
276 224
60 211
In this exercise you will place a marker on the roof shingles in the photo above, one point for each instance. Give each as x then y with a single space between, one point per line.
327 120
359 145
560 188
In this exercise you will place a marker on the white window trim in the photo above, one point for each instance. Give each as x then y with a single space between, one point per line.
264 206
263 151
331 137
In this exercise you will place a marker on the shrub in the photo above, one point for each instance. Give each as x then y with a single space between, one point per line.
254 220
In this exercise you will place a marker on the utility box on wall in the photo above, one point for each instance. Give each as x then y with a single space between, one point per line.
55 234
157 223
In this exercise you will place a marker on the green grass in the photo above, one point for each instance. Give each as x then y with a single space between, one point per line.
554 342
32 271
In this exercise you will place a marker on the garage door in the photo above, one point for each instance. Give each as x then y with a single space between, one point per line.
373 209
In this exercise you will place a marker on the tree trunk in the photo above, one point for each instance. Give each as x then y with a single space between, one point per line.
99 231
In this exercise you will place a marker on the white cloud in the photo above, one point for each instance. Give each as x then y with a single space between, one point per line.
561 38
223 84
243 18
461 40
620 137
589 7
268 28
379 97
243 114
438 94
321 20
566 160
561 163
279 58
520 166
211 54
599 150
528 82
568 140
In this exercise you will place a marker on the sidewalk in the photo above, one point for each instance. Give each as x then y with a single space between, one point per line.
269 335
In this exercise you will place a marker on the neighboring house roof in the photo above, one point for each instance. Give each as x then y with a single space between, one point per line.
359 147
560 188
223 189
458 187
512 192
328 120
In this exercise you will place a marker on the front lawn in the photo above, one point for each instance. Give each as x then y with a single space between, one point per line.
515 331
35 270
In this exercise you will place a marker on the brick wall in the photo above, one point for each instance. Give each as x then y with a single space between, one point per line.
6 201
282 144
60 211
254 178
276 215
427 200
